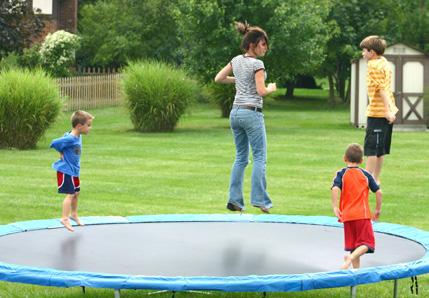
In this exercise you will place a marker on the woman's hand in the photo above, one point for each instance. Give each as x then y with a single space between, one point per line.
271 87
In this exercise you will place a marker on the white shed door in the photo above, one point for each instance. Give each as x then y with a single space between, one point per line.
412 91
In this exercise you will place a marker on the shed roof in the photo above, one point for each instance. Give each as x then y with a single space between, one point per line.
401 49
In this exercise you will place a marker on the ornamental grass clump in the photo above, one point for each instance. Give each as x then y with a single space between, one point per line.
157 95
29 103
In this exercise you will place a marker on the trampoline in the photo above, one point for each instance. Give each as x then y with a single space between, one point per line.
232 253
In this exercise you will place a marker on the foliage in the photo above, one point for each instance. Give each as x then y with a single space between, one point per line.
157 95
30 57
296 30
223 96
413 29
29 103
299 35
18 25
57 52
116 31
208 37
9 62
351 21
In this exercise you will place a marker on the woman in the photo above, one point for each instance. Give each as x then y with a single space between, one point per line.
247 120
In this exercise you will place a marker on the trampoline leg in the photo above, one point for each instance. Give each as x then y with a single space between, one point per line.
353 291
83 289
117 293
395 288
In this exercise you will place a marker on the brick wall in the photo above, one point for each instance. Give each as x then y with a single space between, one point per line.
67 15
64 17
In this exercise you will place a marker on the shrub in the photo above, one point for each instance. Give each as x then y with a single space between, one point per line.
157 94
9 62
29 103
57 52
223 96
30 58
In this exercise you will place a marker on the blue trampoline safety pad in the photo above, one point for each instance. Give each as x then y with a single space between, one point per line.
231 275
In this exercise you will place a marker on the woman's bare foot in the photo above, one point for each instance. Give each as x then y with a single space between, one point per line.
347 262
76 219
66 224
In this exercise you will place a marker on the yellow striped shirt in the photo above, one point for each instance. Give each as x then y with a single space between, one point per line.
378 78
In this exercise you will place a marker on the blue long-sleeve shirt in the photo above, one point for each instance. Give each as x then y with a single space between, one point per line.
71 148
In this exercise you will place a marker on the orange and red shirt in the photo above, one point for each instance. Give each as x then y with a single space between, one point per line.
354 183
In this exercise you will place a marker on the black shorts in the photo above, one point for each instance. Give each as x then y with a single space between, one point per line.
378 137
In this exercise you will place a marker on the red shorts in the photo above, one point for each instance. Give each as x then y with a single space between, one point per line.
67 184
357 233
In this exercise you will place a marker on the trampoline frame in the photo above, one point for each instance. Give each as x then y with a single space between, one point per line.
251 283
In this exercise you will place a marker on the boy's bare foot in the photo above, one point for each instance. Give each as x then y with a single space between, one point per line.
76 219
66 224
347 262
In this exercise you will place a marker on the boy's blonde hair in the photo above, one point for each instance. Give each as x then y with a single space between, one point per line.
375 43
354 153
80 117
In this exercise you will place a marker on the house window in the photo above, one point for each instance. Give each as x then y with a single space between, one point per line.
44 5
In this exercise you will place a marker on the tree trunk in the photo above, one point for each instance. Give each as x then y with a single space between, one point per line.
331 99
349 86
290 87
342 87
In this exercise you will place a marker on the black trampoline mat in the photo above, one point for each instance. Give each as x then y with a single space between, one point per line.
197 249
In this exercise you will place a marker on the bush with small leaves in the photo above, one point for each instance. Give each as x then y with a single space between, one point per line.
57 52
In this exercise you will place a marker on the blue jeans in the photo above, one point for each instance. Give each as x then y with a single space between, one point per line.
248 128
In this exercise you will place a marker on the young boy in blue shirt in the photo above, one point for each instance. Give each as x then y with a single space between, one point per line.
68 166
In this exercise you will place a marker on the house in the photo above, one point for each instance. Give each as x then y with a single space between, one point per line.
57 15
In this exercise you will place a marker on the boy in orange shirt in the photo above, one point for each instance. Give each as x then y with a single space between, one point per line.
354 183
381 108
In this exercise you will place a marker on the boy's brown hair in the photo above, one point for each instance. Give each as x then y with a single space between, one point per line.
354 153
80 117
375 43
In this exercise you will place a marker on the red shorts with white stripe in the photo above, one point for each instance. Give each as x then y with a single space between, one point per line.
67 184
357 233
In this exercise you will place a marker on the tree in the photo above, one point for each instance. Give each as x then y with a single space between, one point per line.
414 24
118 30
18 26
299 36
296 30
351 21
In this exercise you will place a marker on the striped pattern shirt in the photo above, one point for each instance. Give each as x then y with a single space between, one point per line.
378 78
244 69
354 183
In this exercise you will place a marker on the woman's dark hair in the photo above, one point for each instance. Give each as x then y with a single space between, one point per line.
252 34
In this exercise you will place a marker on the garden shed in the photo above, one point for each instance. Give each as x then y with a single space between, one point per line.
410 83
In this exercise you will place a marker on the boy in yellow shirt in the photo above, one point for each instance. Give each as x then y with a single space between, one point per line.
381 109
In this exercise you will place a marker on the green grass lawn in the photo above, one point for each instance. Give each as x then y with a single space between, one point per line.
187 171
